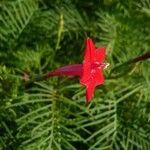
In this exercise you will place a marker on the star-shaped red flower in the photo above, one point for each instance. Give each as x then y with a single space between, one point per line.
93 65
90 72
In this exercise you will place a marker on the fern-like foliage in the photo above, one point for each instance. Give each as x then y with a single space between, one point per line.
37 36
15 16
144 7
110 129
50 123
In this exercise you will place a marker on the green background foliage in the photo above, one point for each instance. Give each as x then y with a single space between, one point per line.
37 36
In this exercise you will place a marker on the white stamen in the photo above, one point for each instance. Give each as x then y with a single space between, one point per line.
106 65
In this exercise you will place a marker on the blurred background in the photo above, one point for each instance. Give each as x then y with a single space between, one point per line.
37 36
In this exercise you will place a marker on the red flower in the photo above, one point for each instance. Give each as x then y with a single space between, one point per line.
93 65
90 71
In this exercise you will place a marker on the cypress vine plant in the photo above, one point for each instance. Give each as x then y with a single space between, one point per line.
37 36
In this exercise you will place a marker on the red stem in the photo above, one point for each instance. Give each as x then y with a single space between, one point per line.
140 58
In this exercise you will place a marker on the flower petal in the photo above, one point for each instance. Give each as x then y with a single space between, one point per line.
86 72
100 54
89 51
90 90
98 76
